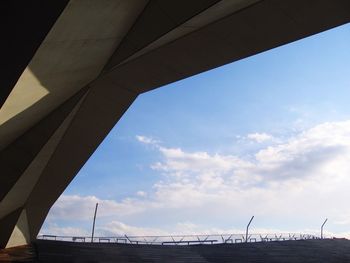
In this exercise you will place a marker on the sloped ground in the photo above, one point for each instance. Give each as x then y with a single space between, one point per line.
328 250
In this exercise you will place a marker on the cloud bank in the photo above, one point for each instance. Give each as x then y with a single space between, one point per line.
300 180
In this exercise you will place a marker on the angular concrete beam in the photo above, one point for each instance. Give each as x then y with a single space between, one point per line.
17 20
148 28
72 55
103 106
214 13
262 26
7 224
20 235
44 138
16 157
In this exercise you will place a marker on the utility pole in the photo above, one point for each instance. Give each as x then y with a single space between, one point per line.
246 232
93 224
322 227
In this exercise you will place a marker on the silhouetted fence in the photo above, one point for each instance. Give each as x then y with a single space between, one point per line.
184 239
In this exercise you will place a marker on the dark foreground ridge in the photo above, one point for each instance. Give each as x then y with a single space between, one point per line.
327 250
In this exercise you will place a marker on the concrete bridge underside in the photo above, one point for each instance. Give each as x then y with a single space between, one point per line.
71 68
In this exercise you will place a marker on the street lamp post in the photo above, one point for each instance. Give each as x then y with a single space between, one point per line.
93 224
322 227
246 232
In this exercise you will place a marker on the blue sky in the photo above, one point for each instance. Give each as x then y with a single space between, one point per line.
267 136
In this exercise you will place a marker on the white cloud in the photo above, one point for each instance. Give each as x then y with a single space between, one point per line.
176 160
146 140
260 137
116 228
141 193
75 207
304 179
54 229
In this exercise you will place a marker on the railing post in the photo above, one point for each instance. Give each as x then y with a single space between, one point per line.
322 227
128 239
93 224
246 232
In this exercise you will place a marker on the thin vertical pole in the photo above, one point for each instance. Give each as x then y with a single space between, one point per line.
322 227
246 232
93 225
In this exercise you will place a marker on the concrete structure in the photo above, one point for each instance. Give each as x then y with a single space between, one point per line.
72 68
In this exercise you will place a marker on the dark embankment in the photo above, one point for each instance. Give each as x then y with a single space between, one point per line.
319 251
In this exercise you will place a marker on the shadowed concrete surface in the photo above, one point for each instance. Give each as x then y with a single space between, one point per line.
73 67
309 251
22 41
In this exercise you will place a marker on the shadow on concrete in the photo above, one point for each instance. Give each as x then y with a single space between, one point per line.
24 25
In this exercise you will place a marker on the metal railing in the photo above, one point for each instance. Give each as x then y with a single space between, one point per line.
184 239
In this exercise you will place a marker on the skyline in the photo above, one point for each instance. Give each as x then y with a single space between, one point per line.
272 127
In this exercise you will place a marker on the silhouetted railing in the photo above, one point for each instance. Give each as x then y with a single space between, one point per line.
184 239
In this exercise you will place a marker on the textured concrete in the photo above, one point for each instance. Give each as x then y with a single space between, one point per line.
148 29
24 25
73 54
94 62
